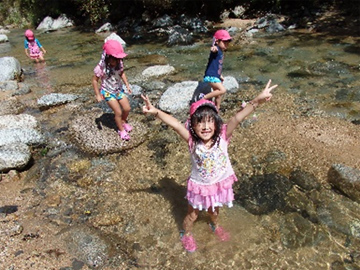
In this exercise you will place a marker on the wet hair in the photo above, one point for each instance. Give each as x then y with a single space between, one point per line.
201 113
109 70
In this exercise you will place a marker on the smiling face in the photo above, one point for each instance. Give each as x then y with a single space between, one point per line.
205 129
206 125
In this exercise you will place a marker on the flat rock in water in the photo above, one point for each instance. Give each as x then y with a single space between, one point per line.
21 121
158 70
55 99
96 133
20 135
177 97
14 156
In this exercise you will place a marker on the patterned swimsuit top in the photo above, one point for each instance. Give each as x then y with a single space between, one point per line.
33 47
210 166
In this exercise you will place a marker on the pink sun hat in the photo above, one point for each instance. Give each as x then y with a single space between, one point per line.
114 48
200 103
222 35
29 34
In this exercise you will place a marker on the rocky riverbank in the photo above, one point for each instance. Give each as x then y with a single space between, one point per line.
68 209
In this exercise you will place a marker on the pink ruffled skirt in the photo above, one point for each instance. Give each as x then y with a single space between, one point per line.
216 195
36 55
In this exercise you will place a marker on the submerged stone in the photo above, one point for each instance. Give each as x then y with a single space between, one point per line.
346 180
263 194
296 231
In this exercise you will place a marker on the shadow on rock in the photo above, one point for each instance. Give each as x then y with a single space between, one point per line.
107 119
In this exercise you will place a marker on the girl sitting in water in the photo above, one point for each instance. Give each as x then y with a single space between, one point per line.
209 186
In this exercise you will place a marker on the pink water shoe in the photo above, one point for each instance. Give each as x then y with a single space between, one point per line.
127 127
124 135
220 232
188 242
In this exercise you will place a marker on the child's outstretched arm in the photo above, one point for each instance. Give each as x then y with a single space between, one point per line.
124 79
264 96
95 81
166 118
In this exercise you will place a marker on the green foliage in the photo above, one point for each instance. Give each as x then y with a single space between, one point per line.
24 12
10 13
44 151
37 10
95 10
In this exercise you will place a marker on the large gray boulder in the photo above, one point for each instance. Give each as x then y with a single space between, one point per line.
10 68
3 38
177 97
231 84
114 36
49 24
24 121
14 156
20 135
17 133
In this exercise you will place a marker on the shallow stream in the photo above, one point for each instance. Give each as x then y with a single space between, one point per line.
139 197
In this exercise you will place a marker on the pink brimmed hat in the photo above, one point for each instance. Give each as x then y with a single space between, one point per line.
222 35
29 34
200 103
114 48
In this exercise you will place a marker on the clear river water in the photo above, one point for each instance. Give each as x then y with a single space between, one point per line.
321 72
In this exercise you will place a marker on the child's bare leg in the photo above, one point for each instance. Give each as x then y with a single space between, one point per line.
219 231
213 215
114 105
190 218
217 102
219 90
125 105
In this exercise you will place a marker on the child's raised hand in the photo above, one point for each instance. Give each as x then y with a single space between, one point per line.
214 49
148 107
266 94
